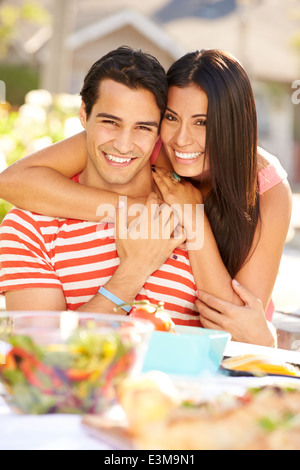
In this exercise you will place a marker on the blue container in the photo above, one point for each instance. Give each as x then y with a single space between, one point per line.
191 351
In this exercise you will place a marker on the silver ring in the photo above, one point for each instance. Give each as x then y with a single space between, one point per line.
174 177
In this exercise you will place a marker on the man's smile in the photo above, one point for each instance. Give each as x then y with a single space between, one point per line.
115 160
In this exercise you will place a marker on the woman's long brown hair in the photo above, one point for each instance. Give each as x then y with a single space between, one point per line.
232 205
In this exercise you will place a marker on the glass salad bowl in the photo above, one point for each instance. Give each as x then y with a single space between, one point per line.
68 362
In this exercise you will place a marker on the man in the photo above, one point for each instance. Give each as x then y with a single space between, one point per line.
57 264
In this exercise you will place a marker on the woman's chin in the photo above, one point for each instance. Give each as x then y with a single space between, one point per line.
189 171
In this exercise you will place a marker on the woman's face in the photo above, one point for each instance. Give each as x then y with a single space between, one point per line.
183 130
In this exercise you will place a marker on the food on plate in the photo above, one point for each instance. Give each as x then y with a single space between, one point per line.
260 364
79 376
267 418
262 418
156 314
147 398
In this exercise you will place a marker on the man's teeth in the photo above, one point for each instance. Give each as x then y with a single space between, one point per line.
188 156
112 158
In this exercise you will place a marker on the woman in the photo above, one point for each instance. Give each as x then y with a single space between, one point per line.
209 134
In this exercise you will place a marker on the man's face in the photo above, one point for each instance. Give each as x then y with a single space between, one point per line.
121 133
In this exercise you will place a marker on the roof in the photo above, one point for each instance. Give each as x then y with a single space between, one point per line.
260 37
112 23
206 9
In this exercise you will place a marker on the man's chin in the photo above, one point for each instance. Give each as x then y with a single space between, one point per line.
115 182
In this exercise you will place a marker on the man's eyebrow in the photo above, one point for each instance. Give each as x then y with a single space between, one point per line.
148 123
194 115
109 116
115 118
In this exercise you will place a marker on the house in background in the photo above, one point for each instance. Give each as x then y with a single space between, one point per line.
126 27
257 32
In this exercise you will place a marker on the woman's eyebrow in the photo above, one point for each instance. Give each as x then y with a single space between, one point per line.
171 111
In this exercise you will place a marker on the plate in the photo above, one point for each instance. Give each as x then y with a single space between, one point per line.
111 428
243 349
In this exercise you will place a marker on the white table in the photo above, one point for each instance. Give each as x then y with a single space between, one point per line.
49 432
64 432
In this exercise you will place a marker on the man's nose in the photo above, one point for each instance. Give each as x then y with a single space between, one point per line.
124 142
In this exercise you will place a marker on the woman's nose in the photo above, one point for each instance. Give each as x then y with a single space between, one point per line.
183 137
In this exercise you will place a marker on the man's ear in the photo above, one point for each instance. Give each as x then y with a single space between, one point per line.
82 115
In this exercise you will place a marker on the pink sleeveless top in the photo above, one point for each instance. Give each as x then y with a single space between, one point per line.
268 177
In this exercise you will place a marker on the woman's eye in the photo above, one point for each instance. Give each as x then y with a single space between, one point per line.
170 117
202 122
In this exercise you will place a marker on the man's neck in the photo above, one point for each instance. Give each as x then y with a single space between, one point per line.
139 187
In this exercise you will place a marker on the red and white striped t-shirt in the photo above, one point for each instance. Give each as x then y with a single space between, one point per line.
78 257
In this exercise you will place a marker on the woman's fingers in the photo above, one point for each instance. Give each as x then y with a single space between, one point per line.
214 302
163 182
247 297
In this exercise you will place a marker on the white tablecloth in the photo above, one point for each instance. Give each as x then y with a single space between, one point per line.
64 432
49 432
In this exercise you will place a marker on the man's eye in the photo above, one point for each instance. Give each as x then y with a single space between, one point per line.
144 128
107 121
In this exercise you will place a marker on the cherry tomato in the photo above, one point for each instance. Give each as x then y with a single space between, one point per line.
158 323
155 313
78 375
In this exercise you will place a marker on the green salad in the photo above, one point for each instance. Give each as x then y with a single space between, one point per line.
80 376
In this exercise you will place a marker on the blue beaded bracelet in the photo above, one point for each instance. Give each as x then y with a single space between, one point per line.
113 298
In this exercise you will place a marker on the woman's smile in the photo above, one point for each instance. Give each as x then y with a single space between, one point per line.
185 158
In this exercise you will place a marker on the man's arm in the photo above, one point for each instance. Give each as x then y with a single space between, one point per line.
38 299
139 258
125 284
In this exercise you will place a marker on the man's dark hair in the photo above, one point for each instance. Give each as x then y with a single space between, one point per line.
135 69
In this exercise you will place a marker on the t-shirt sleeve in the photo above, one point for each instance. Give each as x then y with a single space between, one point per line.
270 176
24 261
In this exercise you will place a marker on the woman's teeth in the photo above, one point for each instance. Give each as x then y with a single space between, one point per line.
112 158
188 156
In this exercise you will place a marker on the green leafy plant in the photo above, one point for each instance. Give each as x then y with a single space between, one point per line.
12 16
41 121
